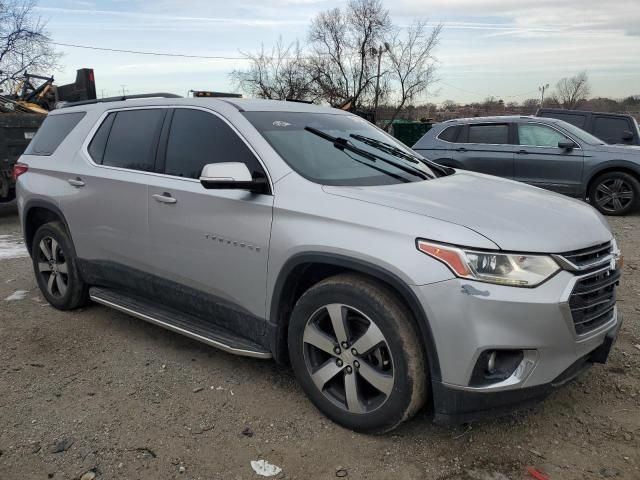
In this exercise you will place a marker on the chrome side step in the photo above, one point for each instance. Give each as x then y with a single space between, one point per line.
178 322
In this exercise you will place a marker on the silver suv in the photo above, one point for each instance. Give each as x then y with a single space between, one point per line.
305 234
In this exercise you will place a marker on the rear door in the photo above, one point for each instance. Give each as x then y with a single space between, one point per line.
210 247
485 148
107 207
539 161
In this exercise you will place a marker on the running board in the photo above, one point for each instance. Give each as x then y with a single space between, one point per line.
179 322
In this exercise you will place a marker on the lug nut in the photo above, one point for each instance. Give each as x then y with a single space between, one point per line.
345 345
337 350
339 362
349 369
354 351
356 364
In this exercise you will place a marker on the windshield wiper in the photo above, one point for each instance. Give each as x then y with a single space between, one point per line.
343 144
388 148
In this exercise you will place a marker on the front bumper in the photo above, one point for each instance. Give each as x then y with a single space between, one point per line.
468 318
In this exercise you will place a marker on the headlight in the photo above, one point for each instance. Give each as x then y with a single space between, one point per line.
517 270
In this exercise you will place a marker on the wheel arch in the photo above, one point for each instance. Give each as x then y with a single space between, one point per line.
615 166
306 269
37 213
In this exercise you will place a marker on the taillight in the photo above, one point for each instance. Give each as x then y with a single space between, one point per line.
19 169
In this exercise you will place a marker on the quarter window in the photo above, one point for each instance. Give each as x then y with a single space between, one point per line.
132 140
198 138
52 132
497 134
539 135
449 134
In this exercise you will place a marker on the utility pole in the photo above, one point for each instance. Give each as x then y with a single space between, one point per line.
124 92
379 51
542 90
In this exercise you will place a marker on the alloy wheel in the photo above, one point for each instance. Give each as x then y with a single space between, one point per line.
348 358
614 195
52 267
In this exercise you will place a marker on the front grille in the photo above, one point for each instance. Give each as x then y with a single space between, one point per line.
586 258
593 299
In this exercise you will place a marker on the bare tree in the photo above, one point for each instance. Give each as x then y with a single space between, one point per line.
24 42
277 75
570 91
449 105
411 63
341 43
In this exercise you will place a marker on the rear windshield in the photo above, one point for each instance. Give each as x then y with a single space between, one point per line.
52 132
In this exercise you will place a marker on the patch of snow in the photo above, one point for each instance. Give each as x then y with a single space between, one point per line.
17 295
264 468
12 246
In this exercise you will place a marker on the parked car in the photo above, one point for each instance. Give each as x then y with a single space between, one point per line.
543 152
611 128
306 234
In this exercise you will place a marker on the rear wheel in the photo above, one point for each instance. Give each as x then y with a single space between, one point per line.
615 193
56 269
355 351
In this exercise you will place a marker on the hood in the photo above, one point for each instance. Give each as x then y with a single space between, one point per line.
515 216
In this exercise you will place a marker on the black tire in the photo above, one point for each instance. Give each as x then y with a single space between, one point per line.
615 193
54 237
409 387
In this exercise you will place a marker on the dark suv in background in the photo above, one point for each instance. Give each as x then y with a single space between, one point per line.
544 152
611 128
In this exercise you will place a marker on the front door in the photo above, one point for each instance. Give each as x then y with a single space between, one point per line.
210 247
539 161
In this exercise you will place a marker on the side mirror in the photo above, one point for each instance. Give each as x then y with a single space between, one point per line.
566 145
627 135
231 176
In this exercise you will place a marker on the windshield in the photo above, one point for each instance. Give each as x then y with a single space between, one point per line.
318 159
581 134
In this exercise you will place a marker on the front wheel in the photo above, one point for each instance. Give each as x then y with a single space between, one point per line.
56 268
355 351
615 193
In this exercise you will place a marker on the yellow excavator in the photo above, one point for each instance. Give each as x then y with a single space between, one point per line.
24 109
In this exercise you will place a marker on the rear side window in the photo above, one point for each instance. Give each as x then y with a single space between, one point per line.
610 129
198 138
132 141
573 118
99 142
52 132
496 134
449 134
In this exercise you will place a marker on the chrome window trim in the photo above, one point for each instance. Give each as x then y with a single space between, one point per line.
470 143
85 145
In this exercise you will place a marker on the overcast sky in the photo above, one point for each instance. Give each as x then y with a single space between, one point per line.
489 47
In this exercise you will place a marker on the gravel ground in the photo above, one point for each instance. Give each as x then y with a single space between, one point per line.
96 393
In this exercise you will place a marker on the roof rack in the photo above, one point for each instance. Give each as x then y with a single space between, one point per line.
297 100
120 99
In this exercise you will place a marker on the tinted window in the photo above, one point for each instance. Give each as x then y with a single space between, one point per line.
449 134
610 129
198 138
99 142
539 135
572 118
494 134
52 132
132 140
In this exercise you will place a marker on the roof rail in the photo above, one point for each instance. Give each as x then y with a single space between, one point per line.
120 99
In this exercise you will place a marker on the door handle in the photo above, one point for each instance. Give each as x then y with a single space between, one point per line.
76 182
164 198
522 152
461 149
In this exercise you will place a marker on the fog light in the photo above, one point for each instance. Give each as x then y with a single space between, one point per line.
494 366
